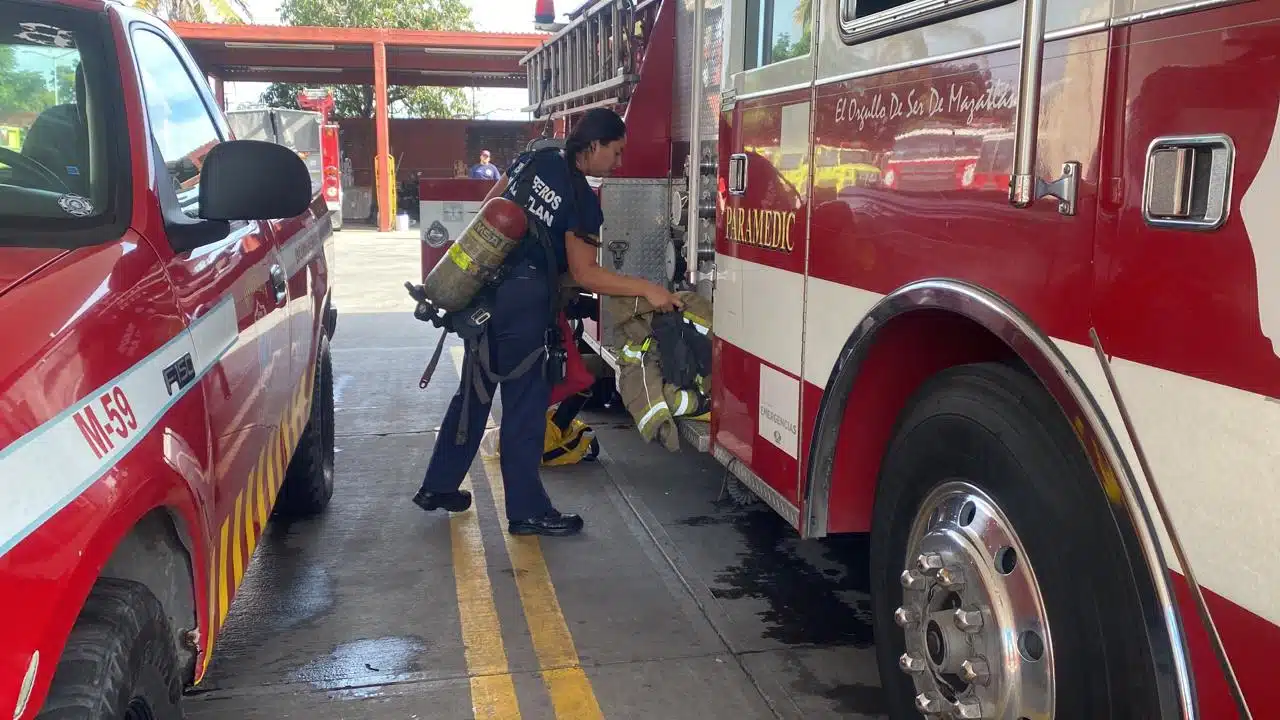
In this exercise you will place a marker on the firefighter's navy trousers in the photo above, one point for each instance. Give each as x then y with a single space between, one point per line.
517 328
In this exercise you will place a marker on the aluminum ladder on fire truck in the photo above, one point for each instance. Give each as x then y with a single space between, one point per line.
591 61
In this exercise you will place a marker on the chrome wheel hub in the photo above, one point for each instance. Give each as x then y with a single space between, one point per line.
977 637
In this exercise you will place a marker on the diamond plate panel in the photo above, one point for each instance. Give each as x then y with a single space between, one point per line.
635 235
686 19
712 46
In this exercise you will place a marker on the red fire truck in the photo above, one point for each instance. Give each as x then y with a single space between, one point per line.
165 380
321 100
1035 354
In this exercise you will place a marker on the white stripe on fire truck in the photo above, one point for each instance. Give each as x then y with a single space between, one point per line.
1211 446
49 467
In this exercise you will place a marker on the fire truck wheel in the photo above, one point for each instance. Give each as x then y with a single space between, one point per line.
308 483
120 661
999 585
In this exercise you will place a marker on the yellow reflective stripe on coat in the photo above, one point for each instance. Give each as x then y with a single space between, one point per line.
632 354
652 416
703 327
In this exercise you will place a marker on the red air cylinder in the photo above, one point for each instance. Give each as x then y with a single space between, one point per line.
476 255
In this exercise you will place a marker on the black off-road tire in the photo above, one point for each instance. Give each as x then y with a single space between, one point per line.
308 483
994 427
120 662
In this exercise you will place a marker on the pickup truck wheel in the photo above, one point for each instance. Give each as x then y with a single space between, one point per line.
308 483
120 660
999 584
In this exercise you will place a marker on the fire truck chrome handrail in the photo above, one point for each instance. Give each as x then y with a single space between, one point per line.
1065 385
1022 187
693 169
989 49
770 91
1170 11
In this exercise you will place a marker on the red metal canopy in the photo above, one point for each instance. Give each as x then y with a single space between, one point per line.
359 56
345 56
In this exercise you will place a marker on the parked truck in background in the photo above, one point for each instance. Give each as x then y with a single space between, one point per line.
165 378
308 132
993 282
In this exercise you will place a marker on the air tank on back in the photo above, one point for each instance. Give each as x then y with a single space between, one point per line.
476 255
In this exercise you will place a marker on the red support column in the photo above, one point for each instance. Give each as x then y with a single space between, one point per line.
382 125
220 92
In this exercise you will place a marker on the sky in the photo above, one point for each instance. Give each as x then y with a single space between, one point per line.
489 15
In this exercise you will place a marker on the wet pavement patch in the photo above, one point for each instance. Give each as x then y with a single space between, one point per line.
815 590
356 668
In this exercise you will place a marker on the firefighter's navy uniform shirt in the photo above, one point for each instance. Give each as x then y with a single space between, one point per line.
557 204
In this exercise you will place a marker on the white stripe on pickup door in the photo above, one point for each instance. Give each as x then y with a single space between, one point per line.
49 467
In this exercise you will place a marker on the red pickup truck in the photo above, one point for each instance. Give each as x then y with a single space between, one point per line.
165 378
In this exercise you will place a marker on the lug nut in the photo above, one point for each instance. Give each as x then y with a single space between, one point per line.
951 578
929 563
969 709
930 703
911 663
912 581
976 671
969 621
905 617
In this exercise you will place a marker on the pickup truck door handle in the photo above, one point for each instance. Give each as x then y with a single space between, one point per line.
279 283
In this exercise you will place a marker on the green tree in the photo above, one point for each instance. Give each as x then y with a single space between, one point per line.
356 101
30 91
226 11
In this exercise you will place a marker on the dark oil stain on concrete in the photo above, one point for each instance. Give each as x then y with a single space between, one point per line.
849 699
805 603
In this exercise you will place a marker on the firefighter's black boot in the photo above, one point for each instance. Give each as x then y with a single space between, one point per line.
553 523
457 501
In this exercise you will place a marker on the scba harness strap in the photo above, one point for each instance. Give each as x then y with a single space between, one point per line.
471 324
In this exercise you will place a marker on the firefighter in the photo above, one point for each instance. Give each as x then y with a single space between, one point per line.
559 198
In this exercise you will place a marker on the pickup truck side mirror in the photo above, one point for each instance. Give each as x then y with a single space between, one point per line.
239 180
253 180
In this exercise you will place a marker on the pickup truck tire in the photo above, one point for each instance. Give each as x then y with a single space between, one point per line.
997 571
120 661
308 483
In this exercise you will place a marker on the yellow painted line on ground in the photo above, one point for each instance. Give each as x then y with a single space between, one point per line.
493 693
567 683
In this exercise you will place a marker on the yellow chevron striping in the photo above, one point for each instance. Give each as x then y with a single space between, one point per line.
246 519
260 481
223 590
237 562
252 510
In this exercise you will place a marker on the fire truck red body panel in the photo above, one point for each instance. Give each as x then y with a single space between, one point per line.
813 361
127 463
1182 301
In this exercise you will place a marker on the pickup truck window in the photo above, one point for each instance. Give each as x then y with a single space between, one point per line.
181 125
55 162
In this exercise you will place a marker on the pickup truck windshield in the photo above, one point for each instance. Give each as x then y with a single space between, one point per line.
54 165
